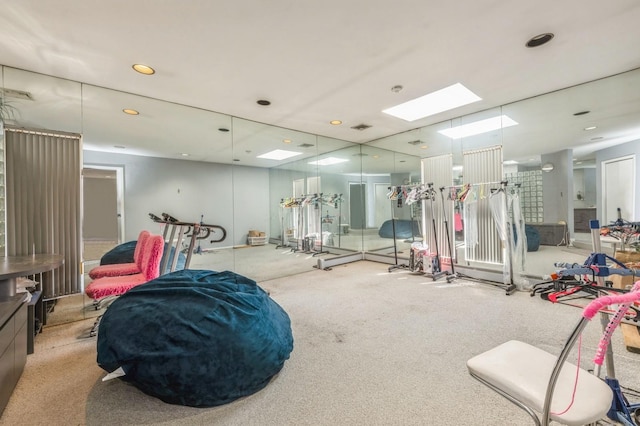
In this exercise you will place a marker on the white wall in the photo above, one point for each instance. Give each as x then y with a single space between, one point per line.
233 197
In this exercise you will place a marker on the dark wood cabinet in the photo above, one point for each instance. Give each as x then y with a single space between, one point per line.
13 344
582 217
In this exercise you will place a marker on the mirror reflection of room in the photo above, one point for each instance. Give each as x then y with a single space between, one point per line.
560 191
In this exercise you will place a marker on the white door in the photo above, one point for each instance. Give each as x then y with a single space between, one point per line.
618 189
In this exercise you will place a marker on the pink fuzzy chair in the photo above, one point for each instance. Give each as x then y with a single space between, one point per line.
119 269
150 269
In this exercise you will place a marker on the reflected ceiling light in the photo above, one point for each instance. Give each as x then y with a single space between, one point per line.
441 100
590 128
184 154
130 111
143 69
510 162
547 167
456 168
376 156
279 154
478 127
539 40
335 122
597 138
286 140
424 147
328 161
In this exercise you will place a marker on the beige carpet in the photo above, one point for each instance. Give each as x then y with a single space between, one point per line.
371 348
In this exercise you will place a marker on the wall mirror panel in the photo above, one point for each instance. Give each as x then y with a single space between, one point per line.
389 224
199 165
338 171
175 160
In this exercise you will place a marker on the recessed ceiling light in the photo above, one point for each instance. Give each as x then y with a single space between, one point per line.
328 161
263 102
335 122
278 154
424 147
236 159
143 69
184 154
539 40
478 127
119 146
223 129
581 113
597 138
130 111
286 140
590 128
397 88
376 156
441 100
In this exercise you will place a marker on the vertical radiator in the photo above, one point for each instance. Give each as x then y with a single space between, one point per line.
479 167
44 199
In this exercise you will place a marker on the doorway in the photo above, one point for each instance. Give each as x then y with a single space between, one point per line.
357 205
102 224
618 189
383 210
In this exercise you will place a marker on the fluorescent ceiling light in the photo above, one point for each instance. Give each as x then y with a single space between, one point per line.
478 127
328 161
279 154
441 100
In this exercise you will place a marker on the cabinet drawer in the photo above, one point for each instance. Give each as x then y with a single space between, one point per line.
7 333
21 317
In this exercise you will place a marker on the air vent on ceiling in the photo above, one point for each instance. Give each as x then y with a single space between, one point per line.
305 145
416 142
361 127
16 94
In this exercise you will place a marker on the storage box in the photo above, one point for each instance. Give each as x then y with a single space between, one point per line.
257 241
627 256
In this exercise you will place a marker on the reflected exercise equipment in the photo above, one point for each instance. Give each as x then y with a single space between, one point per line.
192 230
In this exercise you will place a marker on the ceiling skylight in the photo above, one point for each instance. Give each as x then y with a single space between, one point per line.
279 154
328 161
478 127
441 100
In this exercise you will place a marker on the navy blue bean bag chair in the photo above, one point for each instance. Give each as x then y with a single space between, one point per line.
195 337
405 229
123 253
532 235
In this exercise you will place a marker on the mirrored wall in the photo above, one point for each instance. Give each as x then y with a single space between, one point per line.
333 197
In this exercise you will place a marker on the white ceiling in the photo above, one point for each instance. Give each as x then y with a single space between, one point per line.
318 61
